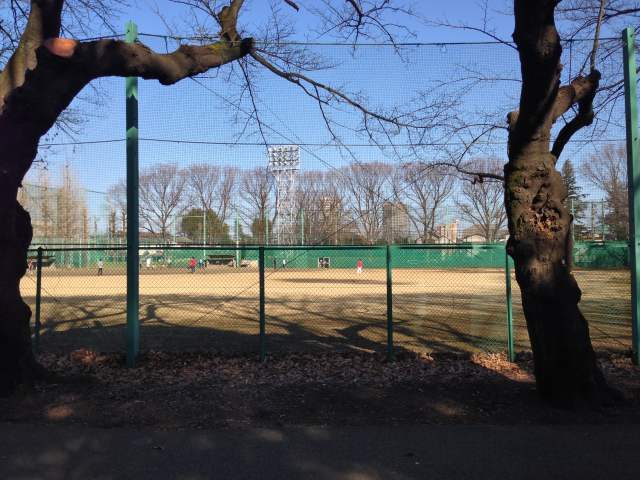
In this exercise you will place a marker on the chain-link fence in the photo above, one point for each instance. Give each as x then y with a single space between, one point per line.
420 298
241 163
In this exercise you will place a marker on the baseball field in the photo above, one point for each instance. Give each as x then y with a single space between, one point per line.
217 309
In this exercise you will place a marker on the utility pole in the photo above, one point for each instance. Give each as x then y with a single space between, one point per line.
237 239
573 223
175 229
603 225
204 232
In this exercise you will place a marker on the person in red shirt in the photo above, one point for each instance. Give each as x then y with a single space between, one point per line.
192 264
359 265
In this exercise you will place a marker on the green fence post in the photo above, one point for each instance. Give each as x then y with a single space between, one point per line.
507 270
389 306
133 270
263 350
36 333
633 173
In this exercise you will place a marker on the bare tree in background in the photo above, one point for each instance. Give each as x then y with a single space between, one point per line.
607 171
162 198
45 205
364 185
117 207
321 203
112 229
308 203
86 232
70 204
212 187
333 207
482 202
424 189
257 190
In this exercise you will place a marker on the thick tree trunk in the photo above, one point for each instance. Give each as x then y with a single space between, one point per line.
539 226
17 363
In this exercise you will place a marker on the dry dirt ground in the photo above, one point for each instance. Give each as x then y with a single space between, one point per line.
192 391
320 310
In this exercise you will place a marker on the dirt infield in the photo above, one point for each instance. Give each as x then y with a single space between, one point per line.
217 309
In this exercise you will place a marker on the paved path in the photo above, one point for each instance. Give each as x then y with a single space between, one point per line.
350 453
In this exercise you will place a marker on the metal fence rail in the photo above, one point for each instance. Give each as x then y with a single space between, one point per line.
269 299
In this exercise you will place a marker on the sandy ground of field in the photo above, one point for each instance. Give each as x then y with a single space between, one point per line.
217 309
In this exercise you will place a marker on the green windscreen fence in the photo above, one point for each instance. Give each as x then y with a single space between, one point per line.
588 255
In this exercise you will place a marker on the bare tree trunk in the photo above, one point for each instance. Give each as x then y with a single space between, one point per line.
17 363
540 244
539 224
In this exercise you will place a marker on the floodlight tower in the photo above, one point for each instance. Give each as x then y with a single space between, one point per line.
284 164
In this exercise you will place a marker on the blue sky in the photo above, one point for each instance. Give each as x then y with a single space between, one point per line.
205 110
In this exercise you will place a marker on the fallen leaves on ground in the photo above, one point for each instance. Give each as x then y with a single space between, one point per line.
179 390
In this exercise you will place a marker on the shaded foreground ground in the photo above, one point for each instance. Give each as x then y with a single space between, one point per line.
319 310
190 391
421 452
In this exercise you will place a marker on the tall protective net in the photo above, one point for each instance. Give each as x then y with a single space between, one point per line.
213 189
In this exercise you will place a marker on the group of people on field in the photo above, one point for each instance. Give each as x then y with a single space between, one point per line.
191 265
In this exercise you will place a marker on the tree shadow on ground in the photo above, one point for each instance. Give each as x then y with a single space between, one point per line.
453 322
338 382
319 329
325 387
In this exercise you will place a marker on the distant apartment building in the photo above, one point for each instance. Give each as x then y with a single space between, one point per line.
329 220
447 233
478 234
395 222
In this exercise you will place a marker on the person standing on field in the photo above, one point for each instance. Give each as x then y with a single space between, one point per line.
359 264
192 265
100 266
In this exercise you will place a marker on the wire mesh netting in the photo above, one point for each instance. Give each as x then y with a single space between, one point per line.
318 299
446 298
239 158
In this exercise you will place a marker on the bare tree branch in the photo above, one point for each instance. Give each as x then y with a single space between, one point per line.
583 118
304 82
292 4
596 38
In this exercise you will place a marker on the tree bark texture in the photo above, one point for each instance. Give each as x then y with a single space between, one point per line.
540 244
17 363
539 225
